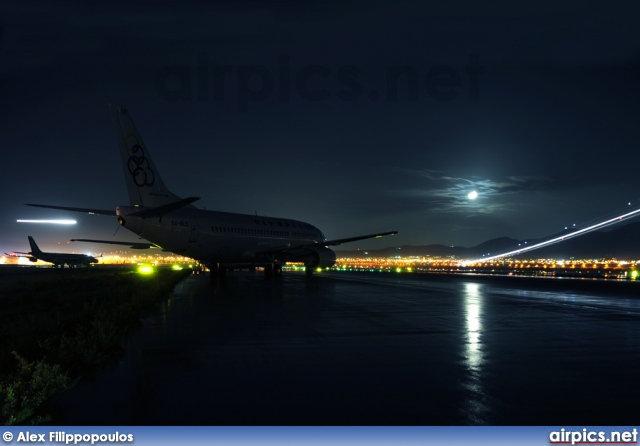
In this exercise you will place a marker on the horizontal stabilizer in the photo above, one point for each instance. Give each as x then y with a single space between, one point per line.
132 245
159 211
66 208
19 254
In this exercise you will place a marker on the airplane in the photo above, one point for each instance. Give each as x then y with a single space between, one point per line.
218 240
57 258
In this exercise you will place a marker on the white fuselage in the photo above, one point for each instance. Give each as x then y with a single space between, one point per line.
220 237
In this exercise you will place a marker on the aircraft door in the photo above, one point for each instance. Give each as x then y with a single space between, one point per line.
193 233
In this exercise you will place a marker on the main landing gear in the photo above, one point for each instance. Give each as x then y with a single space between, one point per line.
273 270
217 271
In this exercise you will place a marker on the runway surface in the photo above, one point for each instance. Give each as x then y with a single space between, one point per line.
366 348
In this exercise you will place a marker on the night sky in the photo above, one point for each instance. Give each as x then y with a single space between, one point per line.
356 117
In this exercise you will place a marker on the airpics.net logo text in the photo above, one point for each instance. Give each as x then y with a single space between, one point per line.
589 436
286 81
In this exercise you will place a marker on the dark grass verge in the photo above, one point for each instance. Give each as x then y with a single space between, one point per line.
56 327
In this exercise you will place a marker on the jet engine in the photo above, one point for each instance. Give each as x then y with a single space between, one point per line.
320 258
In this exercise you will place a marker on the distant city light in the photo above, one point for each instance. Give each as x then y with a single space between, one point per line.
54 222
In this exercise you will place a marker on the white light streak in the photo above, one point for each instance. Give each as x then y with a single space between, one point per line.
609 222
54 222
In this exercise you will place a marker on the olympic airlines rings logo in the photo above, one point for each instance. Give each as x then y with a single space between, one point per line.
138 164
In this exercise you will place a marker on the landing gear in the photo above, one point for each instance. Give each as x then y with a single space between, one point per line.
216 271
213 272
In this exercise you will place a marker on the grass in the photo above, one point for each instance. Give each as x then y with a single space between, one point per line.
56 327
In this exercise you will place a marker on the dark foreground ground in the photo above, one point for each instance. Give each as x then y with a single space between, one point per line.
360 349
57 326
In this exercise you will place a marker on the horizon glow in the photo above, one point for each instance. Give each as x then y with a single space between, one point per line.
55 222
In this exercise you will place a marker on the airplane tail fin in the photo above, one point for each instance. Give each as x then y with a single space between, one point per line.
34 247
144 184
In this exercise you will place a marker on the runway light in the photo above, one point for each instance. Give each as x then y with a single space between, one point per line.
55 222
634 274
176 267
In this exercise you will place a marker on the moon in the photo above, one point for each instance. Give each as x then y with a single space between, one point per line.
472 195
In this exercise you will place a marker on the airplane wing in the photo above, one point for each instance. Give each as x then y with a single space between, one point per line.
275 248
87 210
354 239
132 245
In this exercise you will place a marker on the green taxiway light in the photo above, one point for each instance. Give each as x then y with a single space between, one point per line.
145 269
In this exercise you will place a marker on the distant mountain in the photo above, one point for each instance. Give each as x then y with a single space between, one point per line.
622 243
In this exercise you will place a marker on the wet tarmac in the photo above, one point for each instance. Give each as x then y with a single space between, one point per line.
383 349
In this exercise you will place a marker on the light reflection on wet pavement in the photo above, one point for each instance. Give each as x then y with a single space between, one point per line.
359 349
